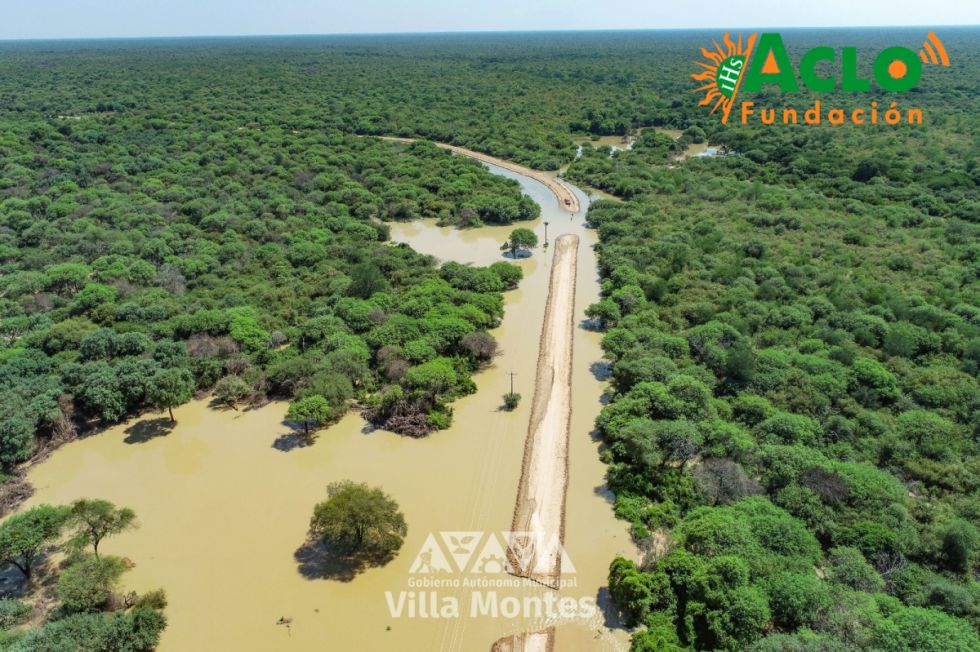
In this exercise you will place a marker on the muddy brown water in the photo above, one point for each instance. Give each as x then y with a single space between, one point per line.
223 511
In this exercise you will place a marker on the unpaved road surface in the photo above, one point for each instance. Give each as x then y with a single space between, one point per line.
530 642
540 508
566 198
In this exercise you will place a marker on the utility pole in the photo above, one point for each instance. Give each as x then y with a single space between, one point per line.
546 234
511 374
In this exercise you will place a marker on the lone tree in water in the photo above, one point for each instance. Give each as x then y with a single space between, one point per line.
97 519
312 411
171 387
521 240
359 520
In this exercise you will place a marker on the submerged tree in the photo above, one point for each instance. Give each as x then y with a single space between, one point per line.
231 390
311 411
521 240
359 520
480 345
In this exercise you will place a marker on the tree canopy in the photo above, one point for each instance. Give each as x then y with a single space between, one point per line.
359 520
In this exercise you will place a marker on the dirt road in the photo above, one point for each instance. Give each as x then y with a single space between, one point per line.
540 508
530 642
566 198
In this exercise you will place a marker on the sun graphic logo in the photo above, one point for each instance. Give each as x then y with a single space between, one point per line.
762 61
722 70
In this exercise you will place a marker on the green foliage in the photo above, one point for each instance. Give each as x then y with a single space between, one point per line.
511 400
435 376
815 287
792 327
246 331
231 390
136 631
510 275
13 612
924 630
91 615
16 438
366 280
659 636
25 537
849 567
797 599
88 583
156 599
358 520
312 412
520 241
96 519
638 594
606 312
128 282
959 543
169 388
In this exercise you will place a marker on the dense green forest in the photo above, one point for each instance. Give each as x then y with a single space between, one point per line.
794 425
793 327
141 264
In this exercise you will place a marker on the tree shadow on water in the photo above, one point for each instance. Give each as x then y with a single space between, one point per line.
604 492
590 325
606 605
317 562
601 370
144 431
291 441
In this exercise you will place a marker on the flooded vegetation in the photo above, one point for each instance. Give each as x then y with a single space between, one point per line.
224 496
622 143
792 344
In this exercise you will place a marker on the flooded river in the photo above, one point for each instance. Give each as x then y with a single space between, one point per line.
223 512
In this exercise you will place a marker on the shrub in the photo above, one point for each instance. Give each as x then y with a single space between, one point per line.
88 584
13 612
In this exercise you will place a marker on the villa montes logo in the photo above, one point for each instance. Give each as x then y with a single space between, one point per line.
756 62
479 553
483 575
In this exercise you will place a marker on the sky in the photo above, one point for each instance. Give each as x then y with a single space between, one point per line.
32 19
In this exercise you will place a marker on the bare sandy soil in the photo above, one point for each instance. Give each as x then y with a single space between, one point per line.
566 198
530 642
540 507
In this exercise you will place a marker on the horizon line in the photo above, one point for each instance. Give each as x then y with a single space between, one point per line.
44 39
